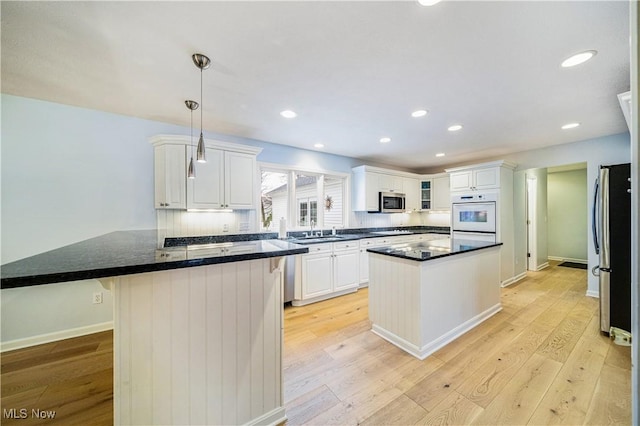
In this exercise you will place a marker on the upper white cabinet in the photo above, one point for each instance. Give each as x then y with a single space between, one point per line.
434 192
226 181
411 188
368 182
170 176
440 193
478 177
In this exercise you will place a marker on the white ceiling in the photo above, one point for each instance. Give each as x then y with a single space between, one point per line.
353 71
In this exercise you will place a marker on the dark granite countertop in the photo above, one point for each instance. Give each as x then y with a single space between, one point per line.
434 249
132 252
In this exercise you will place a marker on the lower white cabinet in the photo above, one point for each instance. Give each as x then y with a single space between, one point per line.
328 270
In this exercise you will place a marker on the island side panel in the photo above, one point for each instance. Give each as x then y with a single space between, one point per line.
422 306
459 292
394 299
199 345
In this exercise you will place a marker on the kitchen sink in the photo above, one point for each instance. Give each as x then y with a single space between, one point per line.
317 239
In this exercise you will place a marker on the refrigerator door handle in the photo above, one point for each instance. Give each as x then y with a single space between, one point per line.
605 244
594 218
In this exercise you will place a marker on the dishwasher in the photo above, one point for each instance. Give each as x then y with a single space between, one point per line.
289 278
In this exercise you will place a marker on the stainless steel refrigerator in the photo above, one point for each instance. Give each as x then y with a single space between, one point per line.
612 240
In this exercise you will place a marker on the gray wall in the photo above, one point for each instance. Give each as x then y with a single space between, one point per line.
568 211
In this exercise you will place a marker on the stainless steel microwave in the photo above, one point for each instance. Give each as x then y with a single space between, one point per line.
391 202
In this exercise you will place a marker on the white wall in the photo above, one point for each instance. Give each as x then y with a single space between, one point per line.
614 149
541 245
568 212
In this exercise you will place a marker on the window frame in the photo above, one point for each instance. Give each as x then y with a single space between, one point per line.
292 206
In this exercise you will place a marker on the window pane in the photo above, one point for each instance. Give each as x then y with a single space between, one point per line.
314 211
274 199
333 202
306 189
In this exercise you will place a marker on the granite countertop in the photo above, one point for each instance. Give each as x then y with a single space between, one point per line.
434 249
132 252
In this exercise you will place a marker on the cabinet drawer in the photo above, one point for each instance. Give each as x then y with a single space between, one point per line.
320 248
346 245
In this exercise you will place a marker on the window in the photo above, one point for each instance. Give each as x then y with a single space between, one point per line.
301 197
306 208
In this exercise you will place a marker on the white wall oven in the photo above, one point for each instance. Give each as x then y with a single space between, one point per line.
473 217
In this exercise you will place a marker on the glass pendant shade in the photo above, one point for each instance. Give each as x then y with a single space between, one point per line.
191 171
201 154
201 61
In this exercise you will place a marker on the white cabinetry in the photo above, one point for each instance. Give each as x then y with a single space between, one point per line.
441 196
227 180
170 176
496 178
434 192
412 193
328 270
368 182
475 179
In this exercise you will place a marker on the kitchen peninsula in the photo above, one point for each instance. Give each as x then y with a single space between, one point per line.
424 295
197 328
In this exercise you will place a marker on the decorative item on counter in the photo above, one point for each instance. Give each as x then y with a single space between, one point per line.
333 230
282 234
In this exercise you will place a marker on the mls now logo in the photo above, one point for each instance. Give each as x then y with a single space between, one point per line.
23 413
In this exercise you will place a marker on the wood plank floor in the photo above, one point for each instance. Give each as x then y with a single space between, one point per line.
541 360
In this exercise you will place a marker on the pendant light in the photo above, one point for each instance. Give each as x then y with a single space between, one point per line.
201 61
191 171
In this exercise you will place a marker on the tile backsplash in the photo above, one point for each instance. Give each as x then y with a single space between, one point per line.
180 223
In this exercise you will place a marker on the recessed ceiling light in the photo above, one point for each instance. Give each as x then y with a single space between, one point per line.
578 58
570 126
385 140
455 127
419 113
428 2
319 145
288 114
440 154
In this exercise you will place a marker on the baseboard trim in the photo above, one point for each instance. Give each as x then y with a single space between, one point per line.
543 266
431 347
55 336
513 280
567 259
593 293
297 302
274 417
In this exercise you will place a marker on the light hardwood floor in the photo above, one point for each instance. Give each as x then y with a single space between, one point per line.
541 360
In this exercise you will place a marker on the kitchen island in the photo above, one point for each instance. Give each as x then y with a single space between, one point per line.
197 328
422 296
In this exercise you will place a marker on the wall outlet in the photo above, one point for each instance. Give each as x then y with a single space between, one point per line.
97 297
225 227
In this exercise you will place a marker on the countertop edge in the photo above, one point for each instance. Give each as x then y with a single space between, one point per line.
376 250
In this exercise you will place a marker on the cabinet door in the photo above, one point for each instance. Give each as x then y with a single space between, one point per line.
170 169
364 265
345 270
205 191
425 195
240 172
486 178
461 181
391 183
412 192
441 196
317 276
372 190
